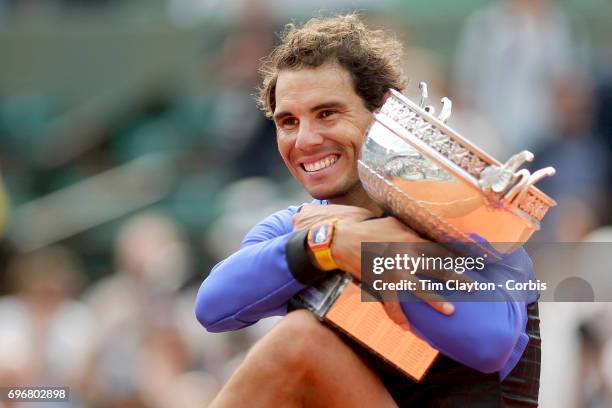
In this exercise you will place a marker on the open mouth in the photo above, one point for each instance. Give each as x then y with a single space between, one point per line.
322 164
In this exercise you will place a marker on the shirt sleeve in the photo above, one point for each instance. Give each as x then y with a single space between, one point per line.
256 281
489 336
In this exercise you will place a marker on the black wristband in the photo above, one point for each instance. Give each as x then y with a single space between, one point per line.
298 260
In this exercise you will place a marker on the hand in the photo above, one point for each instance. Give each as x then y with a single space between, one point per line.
436 301
346 249
312 214
349 234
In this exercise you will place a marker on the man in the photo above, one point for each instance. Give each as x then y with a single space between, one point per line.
321 87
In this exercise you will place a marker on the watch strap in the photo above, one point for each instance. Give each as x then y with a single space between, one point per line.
298 260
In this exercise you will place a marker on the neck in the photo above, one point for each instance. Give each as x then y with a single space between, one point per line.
358 198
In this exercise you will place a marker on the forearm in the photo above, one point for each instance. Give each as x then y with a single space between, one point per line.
251 284
483 333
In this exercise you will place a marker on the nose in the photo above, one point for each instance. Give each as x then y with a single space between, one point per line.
308 136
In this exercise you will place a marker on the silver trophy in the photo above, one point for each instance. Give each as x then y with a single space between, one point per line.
441 185
417 168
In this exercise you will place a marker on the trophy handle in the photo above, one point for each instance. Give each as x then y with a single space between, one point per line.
516 193
524 175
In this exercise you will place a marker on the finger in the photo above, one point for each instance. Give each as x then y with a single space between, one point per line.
446 308
437 302
395 313
305 208
296 219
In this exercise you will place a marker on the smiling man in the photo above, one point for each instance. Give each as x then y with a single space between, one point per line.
320 124
321 86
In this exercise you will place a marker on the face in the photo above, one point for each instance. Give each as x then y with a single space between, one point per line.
321 123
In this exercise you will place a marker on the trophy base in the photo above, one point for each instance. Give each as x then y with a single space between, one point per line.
337 302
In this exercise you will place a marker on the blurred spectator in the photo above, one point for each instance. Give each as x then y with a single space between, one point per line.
239 215
152 264
508 55
166 376
580 183
603 115
243 136
595 342
473 125
149 350
152 261
46 334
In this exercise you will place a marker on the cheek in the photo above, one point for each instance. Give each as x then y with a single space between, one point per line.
285 147
360 138
353 144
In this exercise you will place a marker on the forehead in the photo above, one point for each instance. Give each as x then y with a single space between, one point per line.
307 87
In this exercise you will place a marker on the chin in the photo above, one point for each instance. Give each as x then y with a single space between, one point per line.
328 193
321 195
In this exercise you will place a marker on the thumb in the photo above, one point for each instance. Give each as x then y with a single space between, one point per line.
395 313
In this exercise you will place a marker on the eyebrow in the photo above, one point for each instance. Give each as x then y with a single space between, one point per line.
325 105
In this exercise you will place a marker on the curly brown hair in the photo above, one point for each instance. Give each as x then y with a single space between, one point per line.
371 56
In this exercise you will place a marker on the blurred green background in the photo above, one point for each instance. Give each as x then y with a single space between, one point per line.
112 109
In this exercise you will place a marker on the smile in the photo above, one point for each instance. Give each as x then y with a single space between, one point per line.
324 163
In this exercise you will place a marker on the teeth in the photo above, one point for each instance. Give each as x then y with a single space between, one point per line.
321 164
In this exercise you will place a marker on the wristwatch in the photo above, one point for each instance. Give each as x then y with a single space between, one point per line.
319 241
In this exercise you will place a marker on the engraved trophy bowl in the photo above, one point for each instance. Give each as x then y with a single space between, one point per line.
434 180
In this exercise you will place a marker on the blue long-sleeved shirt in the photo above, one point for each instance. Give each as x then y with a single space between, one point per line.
256 282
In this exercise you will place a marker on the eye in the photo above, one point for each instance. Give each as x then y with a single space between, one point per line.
288 123
327 113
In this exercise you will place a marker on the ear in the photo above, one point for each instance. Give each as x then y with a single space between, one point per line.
384 99
386 96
